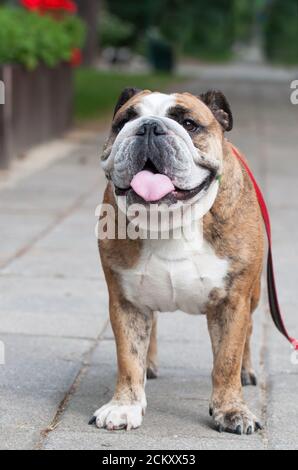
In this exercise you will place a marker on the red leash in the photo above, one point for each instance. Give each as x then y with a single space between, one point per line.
272 292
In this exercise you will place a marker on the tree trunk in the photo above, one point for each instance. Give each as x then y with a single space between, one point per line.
89 11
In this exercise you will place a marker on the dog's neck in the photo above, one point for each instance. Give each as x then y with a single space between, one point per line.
228 194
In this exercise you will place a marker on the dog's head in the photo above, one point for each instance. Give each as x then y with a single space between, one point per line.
166 148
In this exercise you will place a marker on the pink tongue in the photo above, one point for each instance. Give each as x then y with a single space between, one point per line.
150 186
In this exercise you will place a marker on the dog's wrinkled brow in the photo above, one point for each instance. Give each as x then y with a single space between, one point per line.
177 112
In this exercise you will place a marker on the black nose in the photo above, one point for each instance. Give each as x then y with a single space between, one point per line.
151 127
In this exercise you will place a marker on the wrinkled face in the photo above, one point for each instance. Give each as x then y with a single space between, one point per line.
166 148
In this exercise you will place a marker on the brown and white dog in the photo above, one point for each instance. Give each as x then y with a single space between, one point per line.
171 149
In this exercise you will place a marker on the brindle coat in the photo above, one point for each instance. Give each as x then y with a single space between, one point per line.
233 227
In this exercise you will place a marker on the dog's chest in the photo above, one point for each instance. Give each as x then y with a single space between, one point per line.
174 275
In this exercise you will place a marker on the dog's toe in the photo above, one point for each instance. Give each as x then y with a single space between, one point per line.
92 420
235 419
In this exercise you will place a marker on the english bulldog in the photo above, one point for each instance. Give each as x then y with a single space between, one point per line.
170 150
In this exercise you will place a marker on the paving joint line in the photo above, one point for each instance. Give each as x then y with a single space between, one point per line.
43 335
64 403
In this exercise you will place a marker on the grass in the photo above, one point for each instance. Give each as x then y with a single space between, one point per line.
220 57
96 91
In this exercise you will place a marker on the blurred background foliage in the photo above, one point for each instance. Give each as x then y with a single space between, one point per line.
281 31
114 31
125 36
202 28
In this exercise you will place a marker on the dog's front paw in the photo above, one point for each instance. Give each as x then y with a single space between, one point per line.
235 418
116 415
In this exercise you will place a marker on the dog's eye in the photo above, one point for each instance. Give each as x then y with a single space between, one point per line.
190 125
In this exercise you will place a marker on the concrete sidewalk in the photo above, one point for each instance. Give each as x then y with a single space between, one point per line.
60 354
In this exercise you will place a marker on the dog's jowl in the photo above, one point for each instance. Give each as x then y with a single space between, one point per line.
168 154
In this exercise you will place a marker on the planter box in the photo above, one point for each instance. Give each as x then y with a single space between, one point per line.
38 107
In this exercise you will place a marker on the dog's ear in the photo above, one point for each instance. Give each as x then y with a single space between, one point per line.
218 103
126 94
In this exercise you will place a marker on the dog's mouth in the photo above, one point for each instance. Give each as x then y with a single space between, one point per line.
151 186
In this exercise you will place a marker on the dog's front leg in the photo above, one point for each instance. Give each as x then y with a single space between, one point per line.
132 333
228 327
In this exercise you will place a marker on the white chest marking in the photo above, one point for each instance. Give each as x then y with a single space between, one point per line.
174 275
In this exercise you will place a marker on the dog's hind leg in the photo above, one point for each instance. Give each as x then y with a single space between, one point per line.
248 376
152 369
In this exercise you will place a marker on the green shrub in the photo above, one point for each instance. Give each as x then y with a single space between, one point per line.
196 27
113 31
244 15
29 39
281 32
212 32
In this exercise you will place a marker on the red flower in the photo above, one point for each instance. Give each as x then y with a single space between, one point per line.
48 5
31 4
76 57
67 5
